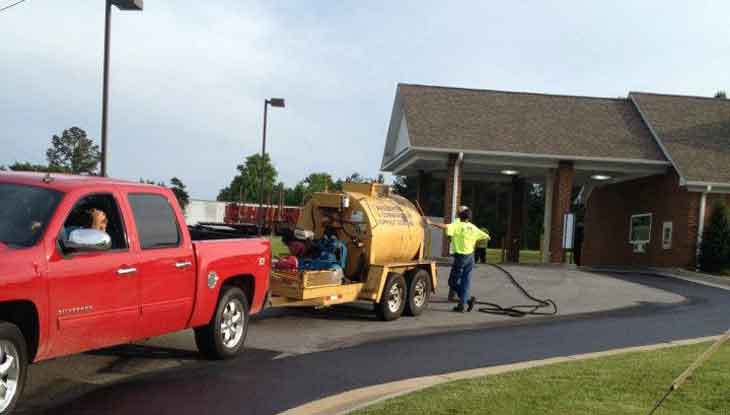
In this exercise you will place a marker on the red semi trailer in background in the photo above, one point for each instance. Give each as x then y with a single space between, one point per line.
275 217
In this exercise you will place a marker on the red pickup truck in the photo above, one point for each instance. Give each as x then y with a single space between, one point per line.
66 287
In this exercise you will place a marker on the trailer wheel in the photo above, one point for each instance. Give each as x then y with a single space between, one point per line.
224 336
419 293
13 366
393 300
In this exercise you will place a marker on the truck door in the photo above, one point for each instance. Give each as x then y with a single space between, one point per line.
166 264
94 296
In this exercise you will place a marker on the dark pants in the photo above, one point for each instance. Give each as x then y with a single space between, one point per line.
480 255
460 276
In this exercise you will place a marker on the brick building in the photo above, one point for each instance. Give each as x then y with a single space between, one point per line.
648 167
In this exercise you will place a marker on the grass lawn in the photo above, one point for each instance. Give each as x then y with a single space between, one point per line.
526 257
625 384
277 247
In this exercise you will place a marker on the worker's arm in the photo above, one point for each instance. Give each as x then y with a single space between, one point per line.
482 235
443 226
448 227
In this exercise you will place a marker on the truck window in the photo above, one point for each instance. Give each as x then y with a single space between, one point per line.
156 222
24 213
81 217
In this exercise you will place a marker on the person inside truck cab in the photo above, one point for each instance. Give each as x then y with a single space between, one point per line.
98 212
90 219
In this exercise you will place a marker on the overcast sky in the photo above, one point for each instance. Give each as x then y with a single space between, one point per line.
189 78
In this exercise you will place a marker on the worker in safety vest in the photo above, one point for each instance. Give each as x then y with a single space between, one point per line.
464 236
480 250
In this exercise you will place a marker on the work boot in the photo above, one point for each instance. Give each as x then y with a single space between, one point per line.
453 297
460 308
471 303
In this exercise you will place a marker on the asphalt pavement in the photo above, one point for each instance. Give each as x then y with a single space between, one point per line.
260 383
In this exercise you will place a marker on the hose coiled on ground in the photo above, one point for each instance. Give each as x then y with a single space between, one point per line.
518 310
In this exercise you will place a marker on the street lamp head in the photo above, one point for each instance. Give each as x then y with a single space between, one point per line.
276 102
128 4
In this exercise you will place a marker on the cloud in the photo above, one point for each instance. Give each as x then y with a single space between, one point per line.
189 78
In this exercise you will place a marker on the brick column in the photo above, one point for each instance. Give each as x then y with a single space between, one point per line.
516 219
562 192
453 166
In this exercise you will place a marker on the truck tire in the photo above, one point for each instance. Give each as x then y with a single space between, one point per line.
393 300
419 292
13 366
224 336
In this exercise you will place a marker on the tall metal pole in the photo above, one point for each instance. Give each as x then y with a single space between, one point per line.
105 93
259 216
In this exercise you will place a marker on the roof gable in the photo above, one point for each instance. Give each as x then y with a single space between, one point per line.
693 131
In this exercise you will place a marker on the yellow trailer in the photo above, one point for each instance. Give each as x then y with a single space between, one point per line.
385 264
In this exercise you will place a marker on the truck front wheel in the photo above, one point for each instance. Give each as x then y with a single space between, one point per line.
224 336
13 366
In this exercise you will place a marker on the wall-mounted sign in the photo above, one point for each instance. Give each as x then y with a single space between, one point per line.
640 232
667 228
568 230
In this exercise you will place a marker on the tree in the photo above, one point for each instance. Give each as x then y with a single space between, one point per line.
27 166
178 188
405 186
294 196
356 178
532 230
73 152
318 182
721 94
715 246
147 181
245 185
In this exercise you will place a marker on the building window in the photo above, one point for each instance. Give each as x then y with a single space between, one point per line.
640 231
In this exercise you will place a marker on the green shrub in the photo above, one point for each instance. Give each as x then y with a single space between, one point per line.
715 247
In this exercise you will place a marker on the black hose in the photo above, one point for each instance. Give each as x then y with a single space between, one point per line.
518 310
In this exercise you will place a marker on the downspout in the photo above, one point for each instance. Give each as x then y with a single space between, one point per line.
455 184
701 223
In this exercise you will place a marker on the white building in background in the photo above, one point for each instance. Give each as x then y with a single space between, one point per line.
204 211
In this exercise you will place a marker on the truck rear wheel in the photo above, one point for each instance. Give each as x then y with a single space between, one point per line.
13 366
224 336
419 293
393 300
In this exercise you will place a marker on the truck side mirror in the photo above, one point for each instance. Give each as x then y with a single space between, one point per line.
88 240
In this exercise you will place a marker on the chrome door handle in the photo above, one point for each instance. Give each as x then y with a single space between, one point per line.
184 264
126 271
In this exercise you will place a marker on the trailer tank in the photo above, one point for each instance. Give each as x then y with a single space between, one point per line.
379 227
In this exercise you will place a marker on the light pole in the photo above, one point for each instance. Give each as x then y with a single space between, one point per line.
121 5
274 102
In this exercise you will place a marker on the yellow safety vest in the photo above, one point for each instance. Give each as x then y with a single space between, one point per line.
464 236
482 243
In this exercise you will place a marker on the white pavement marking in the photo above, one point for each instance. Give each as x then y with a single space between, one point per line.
356 399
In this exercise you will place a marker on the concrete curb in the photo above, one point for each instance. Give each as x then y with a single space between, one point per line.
356 399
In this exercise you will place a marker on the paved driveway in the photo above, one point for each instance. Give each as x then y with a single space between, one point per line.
264 380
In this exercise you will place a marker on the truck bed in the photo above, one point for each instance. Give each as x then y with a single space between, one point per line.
210 231
220 257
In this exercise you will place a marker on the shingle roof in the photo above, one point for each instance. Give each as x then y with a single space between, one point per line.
530 123
695 132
